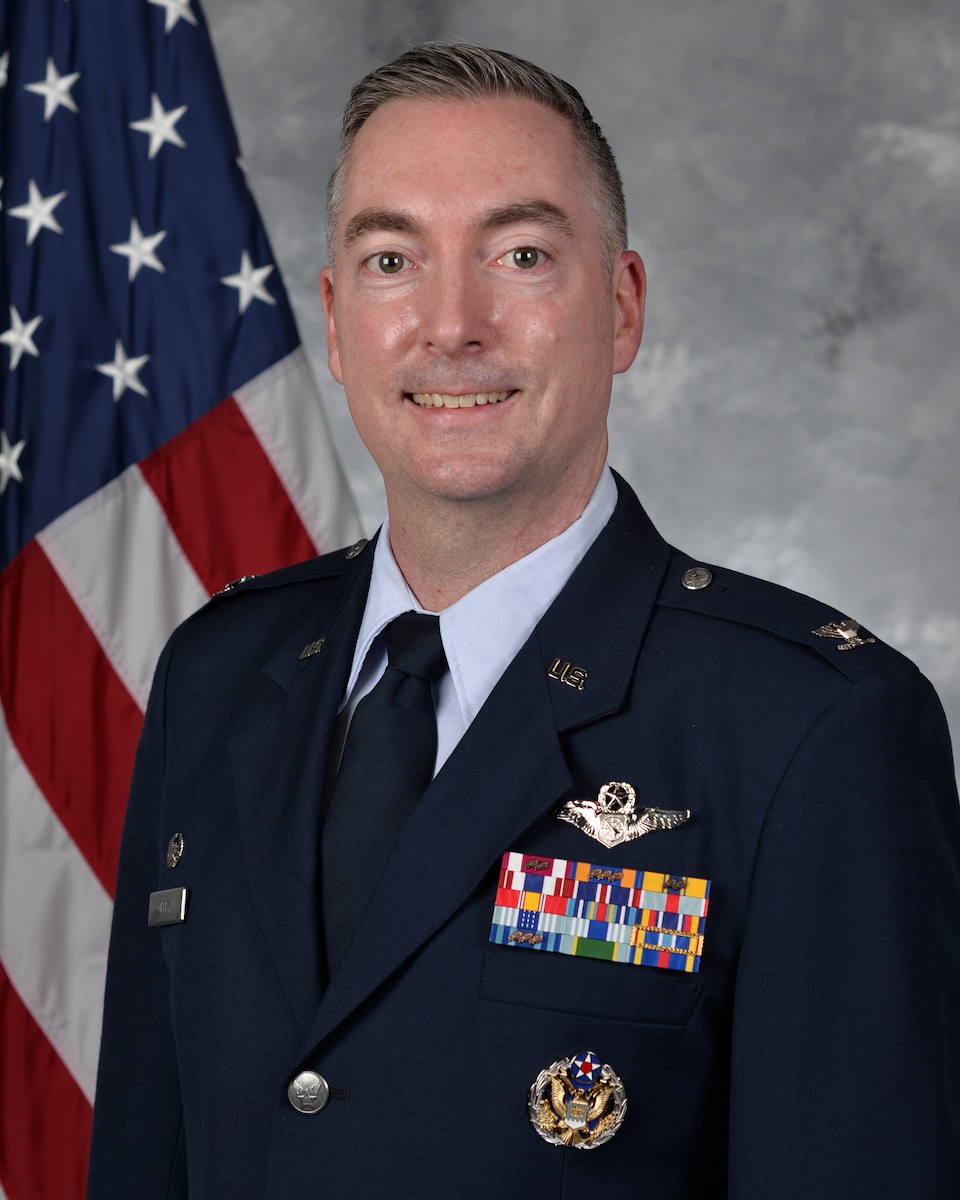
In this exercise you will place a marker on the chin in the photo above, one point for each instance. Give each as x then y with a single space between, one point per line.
466 476
466 485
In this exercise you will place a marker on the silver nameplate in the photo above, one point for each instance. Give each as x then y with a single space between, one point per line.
169 907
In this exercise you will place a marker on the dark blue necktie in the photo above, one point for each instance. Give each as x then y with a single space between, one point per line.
388 761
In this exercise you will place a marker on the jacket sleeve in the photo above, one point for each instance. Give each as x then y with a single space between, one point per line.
845 1057
137 1144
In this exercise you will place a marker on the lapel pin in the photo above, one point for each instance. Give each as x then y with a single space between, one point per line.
577 1102
564 672
174 850
846 630
312 648
613 819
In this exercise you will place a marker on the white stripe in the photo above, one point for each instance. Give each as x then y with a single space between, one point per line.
121 563
284 409
54 921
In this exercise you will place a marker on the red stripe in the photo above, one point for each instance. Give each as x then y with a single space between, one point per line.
73 722
44 1117
224 501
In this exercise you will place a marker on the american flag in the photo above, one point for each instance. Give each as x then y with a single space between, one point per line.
160 435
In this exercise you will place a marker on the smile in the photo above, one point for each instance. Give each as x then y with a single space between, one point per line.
469 400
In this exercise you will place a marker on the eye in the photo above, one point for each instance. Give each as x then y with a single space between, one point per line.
388 263
525 257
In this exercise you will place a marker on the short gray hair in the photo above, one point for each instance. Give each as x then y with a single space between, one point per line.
460 71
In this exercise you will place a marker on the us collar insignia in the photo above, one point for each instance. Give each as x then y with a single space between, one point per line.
577 1102
846 631
613 819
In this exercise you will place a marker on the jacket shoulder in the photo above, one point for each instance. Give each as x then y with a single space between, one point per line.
334 563
265 609
773 611
271 585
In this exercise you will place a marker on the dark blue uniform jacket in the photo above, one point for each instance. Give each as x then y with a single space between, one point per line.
814 1054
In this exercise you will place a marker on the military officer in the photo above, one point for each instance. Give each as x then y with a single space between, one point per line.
515 852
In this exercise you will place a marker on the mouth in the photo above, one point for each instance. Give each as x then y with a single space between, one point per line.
446 400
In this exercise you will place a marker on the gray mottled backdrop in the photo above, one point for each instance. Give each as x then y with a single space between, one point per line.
793 175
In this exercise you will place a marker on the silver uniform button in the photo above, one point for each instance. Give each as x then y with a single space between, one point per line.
356 548
696 578
308 1092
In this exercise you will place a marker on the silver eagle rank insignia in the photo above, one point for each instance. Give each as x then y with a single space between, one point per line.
846 631
612 818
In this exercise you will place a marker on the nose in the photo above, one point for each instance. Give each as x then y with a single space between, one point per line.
456 317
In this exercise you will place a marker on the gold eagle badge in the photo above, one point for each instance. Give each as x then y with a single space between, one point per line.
577 1102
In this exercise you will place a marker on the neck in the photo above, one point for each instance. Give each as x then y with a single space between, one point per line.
445 548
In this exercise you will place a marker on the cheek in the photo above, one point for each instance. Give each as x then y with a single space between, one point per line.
372 333
397 329
539 329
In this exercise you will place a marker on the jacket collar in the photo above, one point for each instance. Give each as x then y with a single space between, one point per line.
279 758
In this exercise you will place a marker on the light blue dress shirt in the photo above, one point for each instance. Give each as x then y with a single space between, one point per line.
484 629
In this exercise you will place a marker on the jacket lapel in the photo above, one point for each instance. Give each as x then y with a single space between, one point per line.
509 769
279 759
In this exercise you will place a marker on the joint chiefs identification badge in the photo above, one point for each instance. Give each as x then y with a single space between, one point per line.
577 1102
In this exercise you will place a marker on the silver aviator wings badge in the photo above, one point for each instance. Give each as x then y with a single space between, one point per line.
613 818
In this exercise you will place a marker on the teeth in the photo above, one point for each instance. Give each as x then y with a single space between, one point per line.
442 400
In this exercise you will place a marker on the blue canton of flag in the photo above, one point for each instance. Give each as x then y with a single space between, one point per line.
137 286
160 434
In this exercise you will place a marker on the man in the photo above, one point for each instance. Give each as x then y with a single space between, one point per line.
677 914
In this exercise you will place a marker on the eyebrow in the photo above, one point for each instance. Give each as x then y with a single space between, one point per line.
538 212
377 220
388 220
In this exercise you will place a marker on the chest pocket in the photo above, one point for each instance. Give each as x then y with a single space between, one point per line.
588 987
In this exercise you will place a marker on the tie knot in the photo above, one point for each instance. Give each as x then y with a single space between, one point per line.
414 646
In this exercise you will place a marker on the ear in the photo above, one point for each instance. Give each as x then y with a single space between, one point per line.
630 293
333 345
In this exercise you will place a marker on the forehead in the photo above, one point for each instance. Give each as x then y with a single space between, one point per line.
466 153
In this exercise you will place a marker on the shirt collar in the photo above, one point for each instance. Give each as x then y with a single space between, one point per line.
483 631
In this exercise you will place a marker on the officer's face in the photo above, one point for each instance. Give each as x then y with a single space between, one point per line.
473 318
